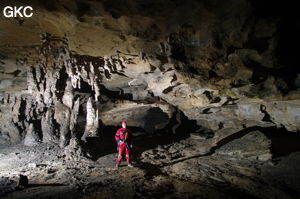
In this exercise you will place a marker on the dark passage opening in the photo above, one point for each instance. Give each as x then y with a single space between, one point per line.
105 144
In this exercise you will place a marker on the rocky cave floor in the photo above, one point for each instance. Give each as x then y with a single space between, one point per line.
181 167
78 68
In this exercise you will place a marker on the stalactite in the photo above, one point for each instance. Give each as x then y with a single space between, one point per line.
51 80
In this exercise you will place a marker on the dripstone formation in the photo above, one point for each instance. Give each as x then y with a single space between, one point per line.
219 66
211 88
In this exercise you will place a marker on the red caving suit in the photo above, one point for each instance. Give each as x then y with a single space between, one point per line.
124 140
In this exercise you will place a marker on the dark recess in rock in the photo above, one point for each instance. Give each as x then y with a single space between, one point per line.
209 88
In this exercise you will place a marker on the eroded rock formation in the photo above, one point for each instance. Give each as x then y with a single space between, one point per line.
202 71
220 71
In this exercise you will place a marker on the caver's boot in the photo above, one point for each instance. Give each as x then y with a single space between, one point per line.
129 165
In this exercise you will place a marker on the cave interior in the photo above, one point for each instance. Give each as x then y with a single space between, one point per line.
209 89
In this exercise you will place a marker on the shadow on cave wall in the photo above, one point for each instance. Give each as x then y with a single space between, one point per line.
283 142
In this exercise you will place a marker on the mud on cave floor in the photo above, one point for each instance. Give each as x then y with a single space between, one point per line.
222 174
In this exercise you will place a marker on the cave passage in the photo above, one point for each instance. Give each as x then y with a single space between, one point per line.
210 90
105 144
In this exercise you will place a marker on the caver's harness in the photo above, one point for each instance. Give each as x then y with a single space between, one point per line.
124 139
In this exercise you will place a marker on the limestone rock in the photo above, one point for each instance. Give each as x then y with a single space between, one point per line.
68 94
74 118
92 120
218 63
48 128
62 117
31 137
73 151
253 146
149 117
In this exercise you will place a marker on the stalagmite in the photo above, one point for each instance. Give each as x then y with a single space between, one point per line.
74 118
31 137
62 117
92 120
48 128
68 94
210 91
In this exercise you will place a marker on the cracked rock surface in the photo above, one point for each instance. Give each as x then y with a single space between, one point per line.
210 90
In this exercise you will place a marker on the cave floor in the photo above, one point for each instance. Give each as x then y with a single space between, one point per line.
51 175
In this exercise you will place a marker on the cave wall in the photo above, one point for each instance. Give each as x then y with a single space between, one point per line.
75 63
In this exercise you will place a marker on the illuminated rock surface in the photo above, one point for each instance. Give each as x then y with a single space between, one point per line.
210 90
